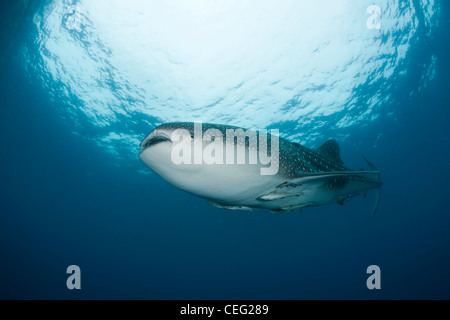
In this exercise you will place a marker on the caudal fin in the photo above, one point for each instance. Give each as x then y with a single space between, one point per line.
378 190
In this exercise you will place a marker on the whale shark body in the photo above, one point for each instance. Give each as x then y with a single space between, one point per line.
304 177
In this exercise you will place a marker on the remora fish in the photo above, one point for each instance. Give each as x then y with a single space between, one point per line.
305 178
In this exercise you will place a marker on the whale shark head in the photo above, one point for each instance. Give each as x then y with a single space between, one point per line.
200 159
157 149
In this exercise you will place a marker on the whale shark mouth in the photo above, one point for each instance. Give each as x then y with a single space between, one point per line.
153 139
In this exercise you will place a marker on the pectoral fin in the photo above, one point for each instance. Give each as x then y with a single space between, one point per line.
322 176
295 187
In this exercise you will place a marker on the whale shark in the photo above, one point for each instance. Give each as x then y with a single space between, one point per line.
300 177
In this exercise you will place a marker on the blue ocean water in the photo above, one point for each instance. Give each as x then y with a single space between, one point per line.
84 82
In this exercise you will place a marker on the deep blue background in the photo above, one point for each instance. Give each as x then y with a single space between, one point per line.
62 202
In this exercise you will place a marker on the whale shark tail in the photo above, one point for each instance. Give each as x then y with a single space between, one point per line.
377 190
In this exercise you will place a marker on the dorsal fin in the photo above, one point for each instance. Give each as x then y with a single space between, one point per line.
331 151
